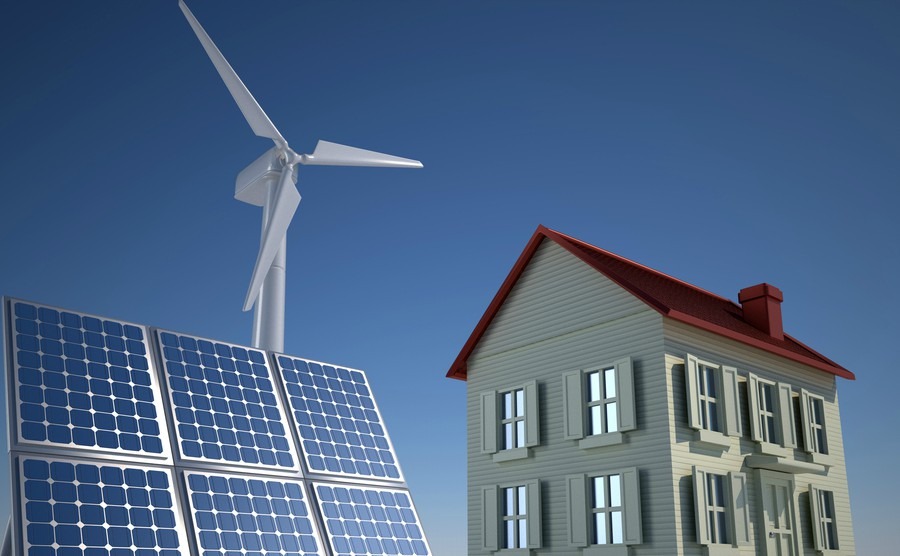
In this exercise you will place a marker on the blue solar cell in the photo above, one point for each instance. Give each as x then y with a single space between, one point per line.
337 420
58 515
55 352
214 387
370 520
234 513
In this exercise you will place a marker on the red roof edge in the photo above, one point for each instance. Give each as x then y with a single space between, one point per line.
460 365
832 368
459 368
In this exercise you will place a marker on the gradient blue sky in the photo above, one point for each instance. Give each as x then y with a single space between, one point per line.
723 143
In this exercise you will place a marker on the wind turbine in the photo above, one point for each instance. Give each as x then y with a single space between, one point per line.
271 182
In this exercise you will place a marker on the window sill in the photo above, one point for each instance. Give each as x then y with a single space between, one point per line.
606 550
721 550
599 440
769 449
711 439
513 552
830 552
822 459
783 465
510 455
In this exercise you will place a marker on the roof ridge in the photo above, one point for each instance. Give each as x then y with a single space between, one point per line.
679 281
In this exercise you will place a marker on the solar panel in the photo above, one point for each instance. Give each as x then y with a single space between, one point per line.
339 425
85 382
224 403
244 515
77 507
131 442
370 521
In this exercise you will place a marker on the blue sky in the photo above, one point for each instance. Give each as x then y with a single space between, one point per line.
723 143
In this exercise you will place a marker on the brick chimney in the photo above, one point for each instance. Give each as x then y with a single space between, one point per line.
762 308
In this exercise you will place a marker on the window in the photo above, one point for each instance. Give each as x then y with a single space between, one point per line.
771 414
599 404
708 397
720 503
812 411
607 509
513 419
767 410
715 509
511 516
604 511
823 517
509 422
712 401
515 521
602 401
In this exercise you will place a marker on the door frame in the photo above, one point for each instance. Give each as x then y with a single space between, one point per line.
767 477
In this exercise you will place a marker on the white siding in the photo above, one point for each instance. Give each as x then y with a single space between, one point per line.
682 339
561 316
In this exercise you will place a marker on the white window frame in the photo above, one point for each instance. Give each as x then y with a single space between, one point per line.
512 419
582 511
514 514
604 403
578 404
782 413
815 434
821 501
735 509
607 509
494 518
493 423
726 400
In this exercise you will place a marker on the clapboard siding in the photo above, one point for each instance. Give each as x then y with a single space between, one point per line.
562 316
682 339
556 294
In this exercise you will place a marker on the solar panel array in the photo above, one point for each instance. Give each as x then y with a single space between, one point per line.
126 440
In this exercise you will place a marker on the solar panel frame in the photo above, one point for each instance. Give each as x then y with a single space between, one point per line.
316 471
194 516
19 510
201 462
347 515
14 408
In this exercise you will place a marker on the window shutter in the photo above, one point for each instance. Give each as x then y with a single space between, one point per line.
490 518
752 394
573 405
625 392
806 422
489 422
578 510
693 392
631 488
533 516
700 506
532 415
815 511
786 413
731 401
740 512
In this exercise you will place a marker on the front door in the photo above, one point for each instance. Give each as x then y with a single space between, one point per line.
778 514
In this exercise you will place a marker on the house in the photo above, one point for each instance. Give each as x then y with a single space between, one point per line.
615 410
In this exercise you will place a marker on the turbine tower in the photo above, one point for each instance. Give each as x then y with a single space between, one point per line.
271 182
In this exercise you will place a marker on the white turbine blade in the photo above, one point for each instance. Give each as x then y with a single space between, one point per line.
333 154
259 122
287 198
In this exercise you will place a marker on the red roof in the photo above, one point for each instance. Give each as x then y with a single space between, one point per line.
670 296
